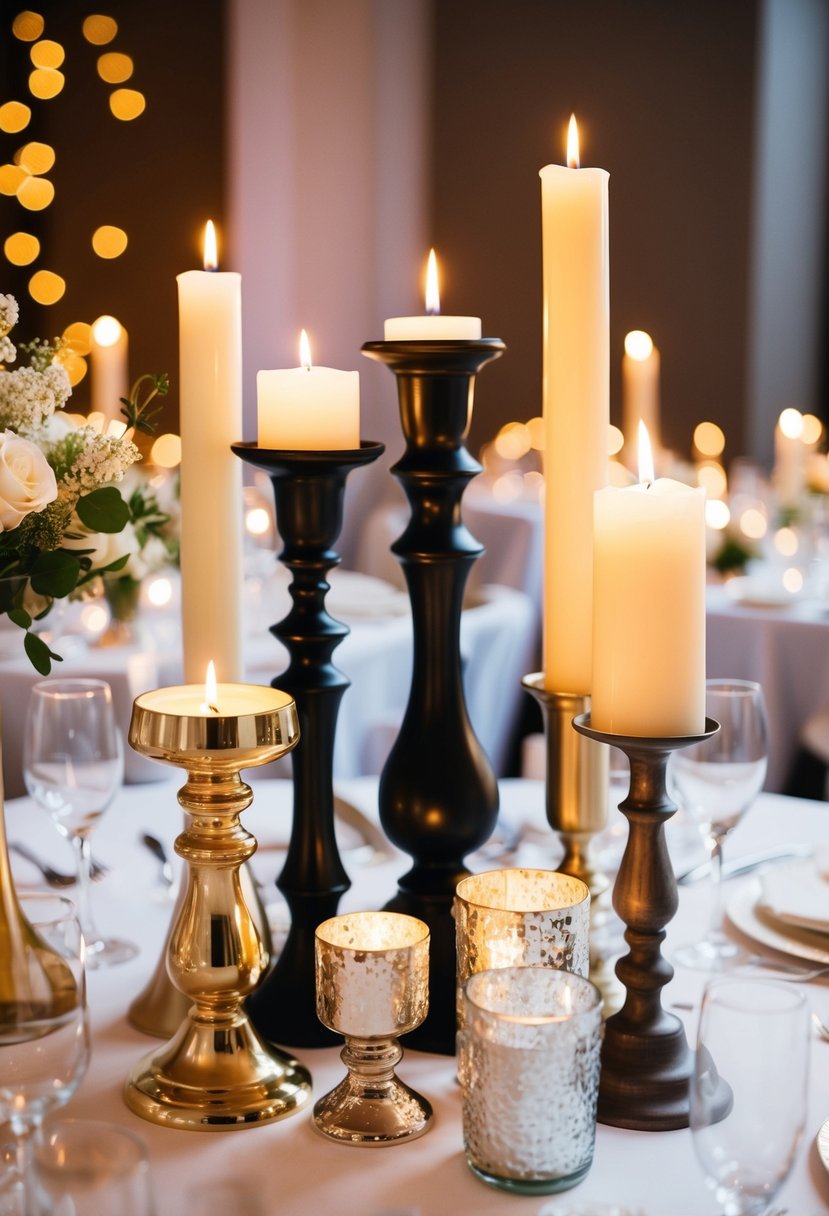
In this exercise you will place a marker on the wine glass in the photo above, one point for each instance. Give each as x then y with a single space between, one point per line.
716 782
90 1167
73 764
754 1036
44 1032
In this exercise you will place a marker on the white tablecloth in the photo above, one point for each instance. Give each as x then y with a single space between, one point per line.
784 649
297 1173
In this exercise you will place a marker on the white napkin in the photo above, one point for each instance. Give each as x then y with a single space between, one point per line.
798 894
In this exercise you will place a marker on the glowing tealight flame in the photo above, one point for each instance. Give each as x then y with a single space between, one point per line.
209 706
646 474
638 345
572 143
791 423
106 331
432 289
304 351
211 256
567 999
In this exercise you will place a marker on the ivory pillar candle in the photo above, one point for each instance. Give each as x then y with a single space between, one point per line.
649 610
109 370
640 390
576 407
210 372
789 458
432 326
308 408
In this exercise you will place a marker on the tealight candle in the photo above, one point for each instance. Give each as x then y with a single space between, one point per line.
308 408
432 326
640 388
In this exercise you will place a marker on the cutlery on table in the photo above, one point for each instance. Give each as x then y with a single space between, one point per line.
745 865
160 854
820 1027
53 876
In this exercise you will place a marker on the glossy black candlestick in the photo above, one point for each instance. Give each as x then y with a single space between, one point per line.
646 1061
438 793
308 491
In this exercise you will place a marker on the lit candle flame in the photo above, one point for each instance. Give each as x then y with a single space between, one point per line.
572 144
106 330
791 423
646 474
432 290
638 345
567 999
304 351
209 706
211 257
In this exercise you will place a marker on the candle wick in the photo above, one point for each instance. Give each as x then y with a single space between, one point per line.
214 709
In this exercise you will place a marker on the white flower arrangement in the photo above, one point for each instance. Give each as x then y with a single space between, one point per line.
57 491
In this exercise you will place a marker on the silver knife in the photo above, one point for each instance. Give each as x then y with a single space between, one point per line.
744 865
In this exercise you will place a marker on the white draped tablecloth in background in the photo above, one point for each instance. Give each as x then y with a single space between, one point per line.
291 1169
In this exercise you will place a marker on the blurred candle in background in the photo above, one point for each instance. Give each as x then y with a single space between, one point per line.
576 406
210 371
640 391
109 367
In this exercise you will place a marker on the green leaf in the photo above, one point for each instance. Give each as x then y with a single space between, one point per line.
18 616
112 567
103 510
40 656
55 574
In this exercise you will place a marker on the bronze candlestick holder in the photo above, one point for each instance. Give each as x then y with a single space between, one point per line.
576 791
309 488
438 793
646 1060
215 1073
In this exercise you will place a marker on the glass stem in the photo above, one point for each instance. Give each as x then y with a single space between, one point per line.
25 1132
716 847
83 862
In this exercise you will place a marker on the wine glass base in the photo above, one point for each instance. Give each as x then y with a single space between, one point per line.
712 955
109 952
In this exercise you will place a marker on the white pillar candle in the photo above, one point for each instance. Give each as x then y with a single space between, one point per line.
576 407
109 370
640 390
789 459
432 326
649 609
308 408
210 372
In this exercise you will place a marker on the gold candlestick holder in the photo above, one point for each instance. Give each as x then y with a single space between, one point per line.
215 1073
576 796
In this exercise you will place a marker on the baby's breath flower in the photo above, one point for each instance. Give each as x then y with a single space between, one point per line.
8 351
9 313
84 460
28 397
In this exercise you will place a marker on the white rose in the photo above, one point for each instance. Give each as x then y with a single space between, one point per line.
103 548
27 481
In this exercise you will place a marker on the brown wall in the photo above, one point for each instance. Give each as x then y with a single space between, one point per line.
663 91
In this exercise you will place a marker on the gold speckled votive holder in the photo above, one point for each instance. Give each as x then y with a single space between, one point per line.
372 979
521 918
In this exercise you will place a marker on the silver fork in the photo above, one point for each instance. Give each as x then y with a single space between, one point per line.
53 876
821 1027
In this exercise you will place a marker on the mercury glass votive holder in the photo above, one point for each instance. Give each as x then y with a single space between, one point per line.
521 918
372 982
529 1061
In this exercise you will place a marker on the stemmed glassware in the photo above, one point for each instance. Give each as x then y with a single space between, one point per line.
754 1035
90 1167
73 765
716 782
44 1033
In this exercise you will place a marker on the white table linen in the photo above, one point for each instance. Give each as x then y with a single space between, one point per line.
292 1169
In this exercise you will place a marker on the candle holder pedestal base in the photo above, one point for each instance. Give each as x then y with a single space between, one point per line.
646 1060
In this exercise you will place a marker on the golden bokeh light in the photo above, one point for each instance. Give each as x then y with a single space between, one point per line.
45 83
536 428
257 521
99 29
166 451
615 440
786 542
109 241
638 345
46 287
717 514
14 116
36 157
513 441
509 487
47 54
12 178
711 476
115 68
21 248
753 523
74 364
709 439
812 429
106 331
793 580
35 193
28 26
159 591
78 337
791 423
127 104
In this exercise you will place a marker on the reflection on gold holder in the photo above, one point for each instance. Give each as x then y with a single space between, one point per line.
576 793
215 1073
